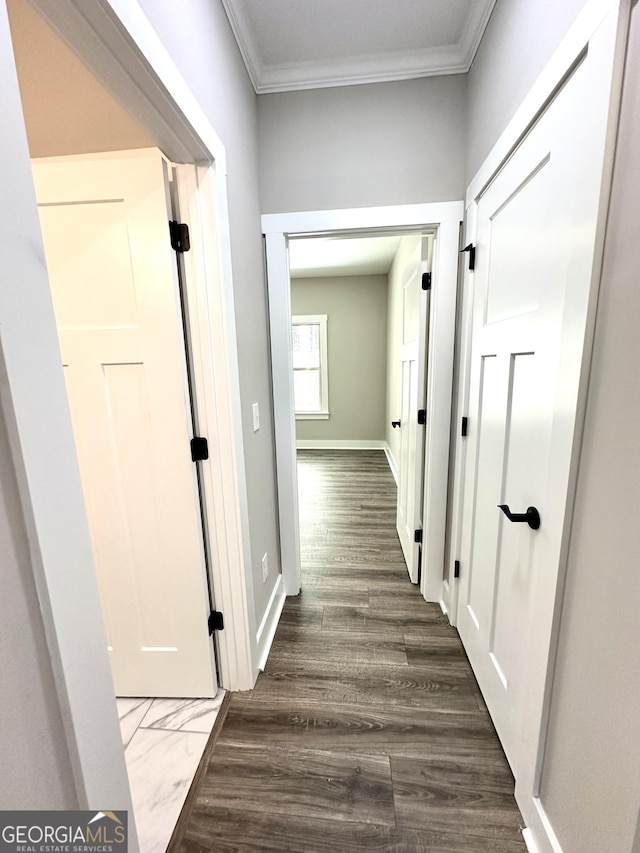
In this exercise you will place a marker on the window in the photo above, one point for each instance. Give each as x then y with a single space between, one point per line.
309 348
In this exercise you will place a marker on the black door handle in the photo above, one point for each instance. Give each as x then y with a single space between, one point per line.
395 424
531 516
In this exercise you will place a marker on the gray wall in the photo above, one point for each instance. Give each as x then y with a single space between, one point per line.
201 44
591 781
356 309
361 146
36 772
518 42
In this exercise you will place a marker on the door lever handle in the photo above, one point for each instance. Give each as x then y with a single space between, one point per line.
395 424
531 516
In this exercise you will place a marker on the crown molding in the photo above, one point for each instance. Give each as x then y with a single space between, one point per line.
243 34
381 68
355 70
477 21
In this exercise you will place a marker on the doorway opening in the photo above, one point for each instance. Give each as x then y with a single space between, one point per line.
440 226
360 322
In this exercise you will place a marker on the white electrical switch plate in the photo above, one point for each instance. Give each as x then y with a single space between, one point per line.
256 417
265 569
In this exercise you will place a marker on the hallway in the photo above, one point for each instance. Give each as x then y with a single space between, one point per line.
366 732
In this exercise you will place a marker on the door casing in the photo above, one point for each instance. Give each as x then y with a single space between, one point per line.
442 218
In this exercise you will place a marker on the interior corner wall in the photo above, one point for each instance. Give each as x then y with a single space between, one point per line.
517 43
591 774
356 309
361 146
201 43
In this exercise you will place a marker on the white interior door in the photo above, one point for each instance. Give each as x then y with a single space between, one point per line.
114 285
415 311
535 242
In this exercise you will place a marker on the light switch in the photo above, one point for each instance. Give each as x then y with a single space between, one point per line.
256 417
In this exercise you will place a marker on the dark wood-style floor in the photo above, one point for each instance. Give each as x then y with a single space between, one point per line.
366 731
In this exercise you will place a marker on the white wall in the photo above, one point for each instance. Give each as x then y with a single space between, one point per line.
361 146
201 44
356 309
591 779
518 42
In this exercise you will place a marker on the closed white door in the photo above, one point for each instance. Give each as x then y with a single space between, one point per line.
535 252
114 285
415 310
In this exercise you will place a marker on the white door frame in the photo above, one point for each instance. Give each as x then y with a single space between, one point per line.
116 41
595 15
445 219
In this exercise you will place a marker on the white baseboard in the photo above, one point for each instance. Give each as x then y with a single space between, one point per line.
339 444
539 834
391 461
267 629
527 836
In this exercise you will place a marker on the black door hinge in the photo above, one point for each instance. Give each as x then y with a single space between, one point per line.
216 621
422 416
417 536
426 281
465 427
472 255
199 449
179 232
456 568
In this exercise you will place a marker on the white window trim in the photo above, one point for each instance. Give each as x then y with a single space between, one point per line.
321 321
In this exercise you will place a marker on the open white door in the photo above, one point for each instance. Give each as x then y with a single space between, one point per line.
114 285
536 236
415 323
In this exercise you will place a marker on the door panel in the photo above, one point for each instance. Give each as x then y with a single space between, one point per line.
114 287
508 295
535 233
415 312
514 552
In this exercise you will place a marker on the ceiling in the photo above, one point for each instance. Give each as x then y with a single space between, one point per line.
317 257
308 44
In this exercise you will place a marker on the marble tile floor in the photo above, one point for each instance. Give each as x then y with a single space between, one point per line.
164 740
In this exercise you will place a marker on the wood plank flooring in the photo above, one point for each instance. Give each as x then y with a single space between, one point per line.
366 731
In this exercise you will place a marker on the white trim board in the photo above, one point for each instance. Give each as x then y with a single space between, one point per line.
268 626
527 837
214 380
444 219
392 462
